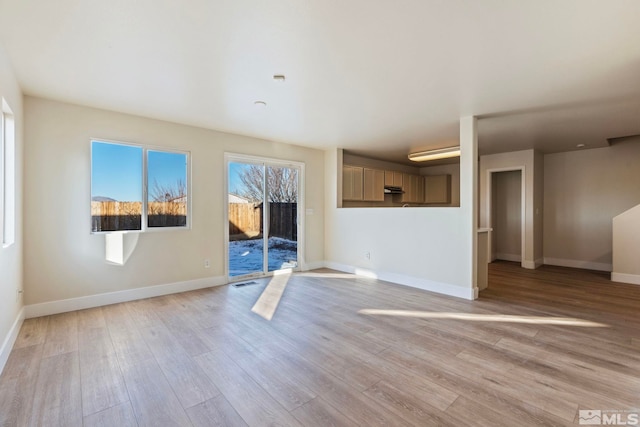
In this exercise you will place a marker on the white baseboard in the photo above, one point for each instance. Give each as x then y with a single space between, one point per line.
10 339
509 257
633 279
538 263
90 301
574 263
314 265
414 282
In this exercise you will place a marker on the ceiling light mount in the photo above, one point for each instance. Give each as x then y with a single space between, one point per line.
280 78
440 153
259 104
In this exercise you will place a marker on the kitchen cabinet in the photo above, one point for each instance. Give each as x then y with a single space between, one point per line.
393 178
373 184
437 189
413 187
352 182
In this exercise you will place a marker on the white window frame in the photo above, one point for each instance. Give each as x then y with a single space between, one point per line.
144 220
7 176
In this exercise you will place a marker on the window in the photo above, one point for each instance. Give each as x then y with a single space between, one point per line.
121 176
7 175
167 189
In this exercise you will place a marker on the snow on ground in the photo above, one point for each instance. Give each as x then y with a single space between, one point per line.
246 256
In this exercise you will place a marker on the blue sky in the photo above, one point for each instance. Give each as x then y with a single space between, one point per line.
235 185
116 170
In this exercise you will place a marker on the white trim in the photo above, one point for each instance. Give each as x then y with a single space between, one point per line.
414 282
10 339
523 208
633 279
574 263
530 265
509 257
538 263
98 300
313 265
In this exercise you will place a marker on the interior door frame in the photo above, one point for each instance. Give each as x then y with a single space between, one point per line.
523 211
265 161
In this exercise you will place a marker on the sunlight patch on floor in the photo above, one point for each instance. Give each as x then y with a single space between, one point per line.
267 304
505 318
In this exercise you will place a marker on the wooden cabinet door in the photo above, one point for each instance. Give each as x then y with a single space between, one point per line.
419 189
397 179
393 178
437 189
373 185
352 182
407 187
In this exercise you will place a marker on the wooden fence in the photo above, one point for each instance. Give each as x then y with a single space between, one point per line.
115 216
246 219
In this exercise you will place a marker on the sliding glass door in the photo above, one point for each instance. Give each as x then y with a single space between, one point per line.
263 216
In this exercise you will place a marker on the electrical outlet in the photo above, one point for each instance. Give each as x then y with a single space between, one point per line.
18 294
367 255
207 263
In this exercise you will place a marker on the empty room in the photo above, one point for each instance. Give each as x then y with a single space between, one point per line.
318 213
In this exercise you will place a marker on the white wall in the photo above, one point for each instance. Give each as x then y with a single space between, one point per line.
506 216
524 160
583 191
429 248
11 257
626 246
63 260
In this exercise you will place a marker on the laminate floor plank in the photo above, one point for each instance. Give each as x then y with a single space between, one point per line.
32 332
251 401
18 385
62 334
317 412
153 400
352 403
91 318
408 406
57 399
120 415
216 412
536 347
101 378
188 380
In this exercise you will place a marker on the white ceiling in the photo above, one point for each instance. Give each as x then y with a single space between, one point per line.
372 76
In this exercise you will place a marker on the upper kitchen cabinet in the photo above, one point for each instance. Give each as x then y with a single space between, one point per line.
393 179
437 189
352 182
413 189
373 185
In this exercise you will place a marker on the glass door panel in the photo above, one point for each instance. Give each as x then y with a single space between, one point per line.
246 217
282 213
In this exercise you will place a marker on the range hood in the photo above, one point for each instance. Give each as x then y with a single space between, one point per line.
389 189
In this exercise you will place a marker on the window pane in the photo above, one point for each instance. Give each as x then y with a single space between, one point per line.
116 187
167 189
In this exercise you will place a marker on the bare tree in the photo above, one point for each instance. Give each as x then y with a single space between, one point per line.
169 202
282 184
168 192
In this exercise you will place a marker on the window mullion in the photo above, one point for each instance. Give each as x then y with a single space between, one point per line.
145 191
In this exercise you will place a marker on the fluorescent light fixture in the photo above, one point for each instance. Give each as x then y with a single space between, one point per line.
441 153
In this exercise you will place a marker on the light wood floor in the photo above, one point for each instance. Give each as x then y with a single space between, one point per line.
533 350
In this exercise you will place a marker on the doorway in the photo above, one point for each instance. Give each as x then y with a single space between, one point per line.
507 216
263 216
